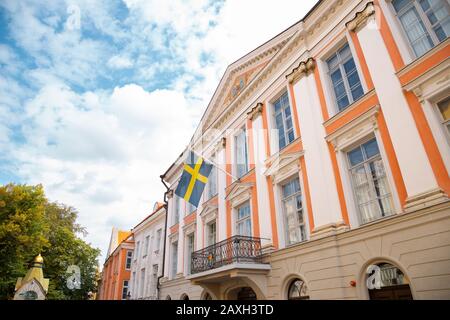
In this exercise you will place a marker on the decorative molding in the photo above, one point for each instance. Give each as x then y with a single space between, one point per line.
284 166
361 17
425 199
354 130
255 111
304 68
239 193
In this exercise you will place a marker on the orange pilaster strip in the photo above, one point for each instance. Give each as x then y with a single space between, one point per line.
362 61
307 194
389 40
340 189
392 158
294 110
431 148
323 104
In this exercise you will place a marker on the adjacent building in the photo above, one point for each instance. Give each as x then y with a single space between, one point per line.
332 150
146 265
116 272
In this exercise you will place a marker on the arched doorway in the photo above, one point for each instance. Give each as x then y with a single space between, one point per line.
298 290
207 296
168 297
184 297
387 282
246 293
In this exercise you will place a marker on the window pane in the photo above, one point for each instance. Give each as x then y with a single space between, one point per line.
400 4
355 156
416 32
371 148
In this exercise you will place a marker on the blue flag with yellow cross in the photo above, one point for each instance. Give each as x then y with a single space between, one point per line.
193 179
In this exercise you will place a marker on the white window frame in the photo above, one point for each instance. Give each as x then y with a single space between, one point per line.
235 145
189 236
424 20
213 179
330 85
285 91
173 259
125 287
158 240
208 232
137 250
176 210
128 257
348 169
283 208
242 220
146 246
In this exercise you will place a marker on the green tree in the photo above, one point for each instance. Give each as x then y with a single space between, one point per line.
30 224
23 232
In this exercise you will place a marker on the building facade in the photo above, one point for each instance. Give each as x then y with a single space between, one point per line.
332 150
116 272
146 265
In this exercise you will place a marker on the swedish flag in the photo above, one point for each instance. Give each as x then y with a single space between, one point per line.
193 179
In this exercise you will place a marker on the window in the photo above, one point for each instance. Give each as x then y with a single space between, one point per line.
243 222
283 120
426 22
174 258
369 182
128 261
142 283
155 278
137 250
241 153
190 250
293 211
212 180
298 290
444 109
125 289
211 233
158 239
177 211
147 241
344 77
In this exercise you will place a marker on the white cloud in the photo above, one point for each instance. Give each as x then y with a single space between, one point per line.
94 140
119 62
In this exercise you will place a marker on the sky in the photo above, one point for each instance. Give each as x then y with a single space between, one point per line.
99 97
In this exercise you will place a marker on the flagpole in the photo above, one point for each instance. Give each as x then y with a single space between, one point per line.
213 163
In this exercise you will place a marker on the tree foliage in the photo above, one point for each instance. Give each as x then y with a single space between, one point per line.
29 225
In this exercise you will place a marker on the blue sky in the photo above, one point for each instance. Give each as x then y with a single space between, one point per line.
98 98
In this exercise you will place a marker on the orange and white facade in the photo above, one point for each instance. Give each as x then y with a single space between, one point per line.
117 267
333 146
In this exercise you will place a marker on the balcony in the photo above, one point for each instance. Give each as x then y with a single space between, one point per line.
235 250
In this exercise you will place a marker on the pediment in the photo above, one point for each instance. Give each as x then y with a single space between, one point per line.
239 192
240 74
281 162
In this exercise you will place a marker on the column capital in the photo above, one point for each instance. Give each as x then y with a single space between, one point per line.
304 68
361 17
255 111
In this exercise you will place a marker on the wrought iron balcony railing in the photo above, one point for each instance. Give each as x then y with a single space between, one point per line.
237 249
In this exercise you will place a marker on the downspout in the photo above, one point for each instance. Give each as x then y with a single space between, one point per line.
166 205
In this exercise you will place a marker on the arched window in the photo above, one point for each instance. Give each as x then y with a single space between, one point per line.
207 296
387 282
298 290
168 297
184 297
